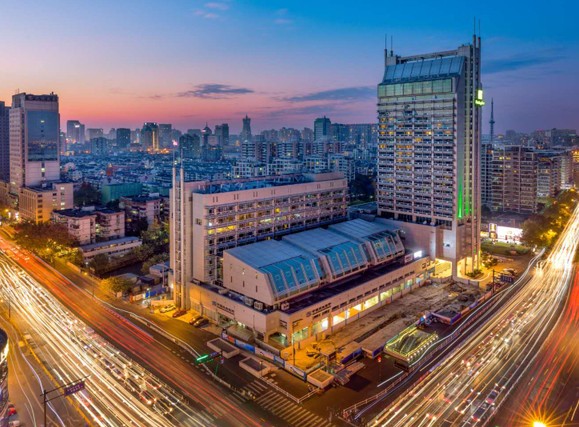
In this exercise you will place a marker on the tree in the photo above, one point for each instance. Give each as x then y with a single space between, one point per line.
117 284
157 259
87 195
44 239
99 263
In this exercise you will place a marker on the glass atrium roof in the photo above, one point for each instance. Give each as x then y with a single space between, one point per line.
343 254
345 258
290 269
428 69
383 238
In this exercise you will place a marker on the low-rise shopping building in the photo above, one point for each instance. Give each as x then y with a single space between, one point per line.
312 283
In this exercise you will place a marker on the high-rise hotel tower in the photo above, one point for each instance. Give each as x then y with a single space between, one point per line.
429 109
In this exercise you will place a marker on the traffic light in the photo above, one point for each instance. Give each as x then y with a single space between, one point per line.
203 359
379 359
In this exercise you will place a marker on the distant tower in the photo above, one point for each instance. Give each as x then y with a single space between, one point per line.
321 128
492 121
150 136
34 140
246 130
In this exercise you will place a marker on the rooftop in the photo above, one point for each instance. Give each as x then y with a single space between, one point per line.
74 213
239 184
120 241
427 69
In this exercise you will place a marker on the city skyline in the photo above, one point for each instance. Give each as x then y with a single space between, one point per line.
294 65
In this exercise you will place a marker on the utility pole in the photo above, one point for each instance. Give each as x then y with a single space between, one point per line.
70 388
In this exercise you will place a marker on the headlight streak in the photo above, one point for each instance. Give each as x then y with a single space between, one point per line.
71 350
518 330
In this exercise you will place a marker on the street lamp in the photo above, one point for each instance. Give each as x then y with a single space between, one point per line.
539 424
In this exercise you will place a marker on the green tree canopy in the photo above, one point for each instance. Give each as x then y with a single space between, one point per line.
87 195
44 236
117 284
156 259
99 263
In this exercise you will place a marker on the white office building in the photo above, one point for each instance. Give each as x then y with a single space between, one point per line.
210 217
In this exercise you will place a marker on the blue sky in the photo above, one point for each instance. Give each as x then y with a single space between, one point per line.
123 62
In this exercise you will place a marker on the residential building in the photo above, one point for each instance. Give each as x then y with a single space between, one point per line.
37 203
112 248
429 151
210 217
512 178
123 138
80 224
90 225
142 207
110 224
548 176
486 171
322 128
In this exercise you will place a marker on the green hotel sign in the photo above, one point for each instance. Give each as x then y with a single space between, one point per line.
479 101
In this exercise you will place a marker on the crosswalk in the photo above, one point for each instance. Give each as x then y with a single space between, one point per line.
279 405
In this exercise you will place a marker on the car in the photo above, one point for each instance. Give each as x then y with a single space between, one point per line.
492 397
481 412
11 410
201 322
147 397
132 385
152 383
179 313
163 407
117 373
196 318
167 308
106 363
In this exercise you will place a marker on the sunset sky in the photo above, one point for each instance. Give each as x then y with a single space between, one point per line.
119 63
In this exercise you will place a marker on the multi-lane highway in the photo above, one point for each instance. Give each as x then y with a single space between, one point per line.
474 381
550 391
119 391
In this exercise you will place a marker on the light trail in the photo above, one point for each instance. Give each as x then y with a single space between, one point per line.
477 377
116 390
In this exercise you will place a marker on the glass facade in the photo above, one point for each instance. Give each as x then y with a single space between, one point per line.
345 258
43 129
293 275
416 88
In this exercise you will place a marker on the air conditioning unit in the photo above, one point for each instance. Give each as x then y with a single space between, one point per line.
285 306
248 301
258 305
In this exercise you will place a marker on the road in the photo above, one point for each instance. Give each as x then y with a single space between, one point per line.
550 390
474 381
202 396
26 379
